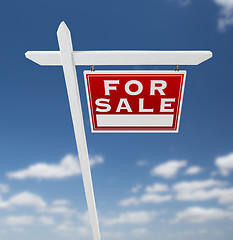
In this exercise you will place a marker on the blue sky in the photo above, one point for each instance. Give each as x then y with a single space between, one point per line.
154 186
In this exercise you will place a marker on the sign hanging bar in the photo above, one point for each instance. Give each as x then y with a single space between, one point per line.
85 58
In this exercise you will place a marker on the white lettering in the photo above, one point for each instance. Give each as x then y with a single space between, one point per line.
164 104
107 106
107 86
159 88
141 106
127 85
126 103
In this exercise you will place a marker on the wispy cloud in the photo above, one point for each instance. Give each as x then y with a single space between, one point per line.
168 169
67 167
64 227
4 188
200 215
18 220
145 198
193 170
197 185
60 202
132 201
203 191
157 187
142 163
190 191
226 13
112 235
138 232
46 220
223 195
136 188
155 198
24 199
60 210
134 217
225 164
184 3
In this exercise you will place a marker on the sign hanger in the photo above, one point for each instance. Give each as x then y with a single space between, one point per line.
68 59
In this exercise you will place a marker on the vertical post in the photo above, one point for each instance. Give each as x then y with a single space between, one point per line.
66 53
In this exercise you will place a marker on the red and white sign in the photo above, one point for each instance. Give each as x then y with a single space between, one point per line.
135 101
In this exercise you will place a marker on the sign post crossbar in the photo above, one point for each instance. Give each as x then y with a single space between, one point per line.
67 58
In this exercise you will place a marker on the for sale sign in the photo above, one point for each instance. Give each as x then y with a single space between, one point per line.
135 101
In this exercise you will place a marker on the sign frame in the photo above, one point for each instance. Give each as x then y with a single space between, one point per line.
142 72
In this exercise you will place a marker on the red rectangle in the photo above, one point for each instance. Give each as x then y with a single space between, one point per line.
135 101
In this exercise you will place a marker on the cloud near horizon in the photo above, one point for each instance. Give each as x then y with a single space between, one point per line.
131 217
200 215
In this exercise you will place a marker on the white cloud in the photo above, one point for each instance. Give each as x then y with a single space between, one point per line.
226 196
67 167
157 187
133 201
136 188
84 217
193 170
62 210
4 188
60 202
197 185
142 163
226 13
111 235
18 220
186 233
155 198
225 164
67 228
200 215
223 195
24 199
145 198
17 229
214 173
46 220
203 190
97 159
63 227
137 217
184 3
83 231
138 232
168 169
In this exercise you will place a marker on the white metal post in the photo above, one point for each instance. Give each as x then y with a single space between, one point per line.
66 54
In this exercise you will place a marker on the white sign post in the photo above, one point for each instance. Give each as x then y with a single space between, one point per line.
67 58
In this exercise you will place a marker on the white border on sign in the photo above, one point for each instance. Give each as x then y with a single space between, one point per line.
183 72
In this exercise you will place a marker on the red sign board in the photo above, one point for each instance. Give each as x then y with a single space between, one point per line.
135 101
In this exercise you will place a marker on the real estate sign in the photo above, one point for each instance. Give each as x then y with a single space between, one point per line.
135 101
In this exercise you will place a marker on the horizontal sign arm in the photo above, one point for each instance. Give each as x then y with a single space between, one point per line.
85 58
